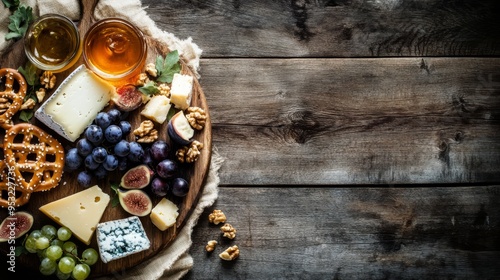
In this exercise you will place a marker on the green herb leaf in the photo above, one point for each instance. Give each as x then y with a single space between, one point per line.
19 22
115 201
20 250
26 115
30 74
149 88
171 113
167 67
11 4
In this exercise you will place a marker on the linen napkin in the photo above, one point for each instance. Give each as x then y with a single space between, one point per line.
174 261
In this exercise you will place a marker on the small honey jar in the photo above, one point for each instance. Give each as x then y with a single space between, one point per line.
115 50
52 42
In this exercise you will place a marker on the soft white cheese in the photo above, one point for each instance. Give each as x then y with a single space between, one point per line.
157 108
181 91
75 103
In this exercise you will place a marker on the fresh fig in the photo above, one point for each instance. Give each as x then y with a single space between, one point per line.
137 177
15 226
179 129
135 202
127 98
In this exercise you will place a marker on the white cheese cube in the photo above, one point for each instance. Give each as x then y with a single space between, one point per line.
75 103
164 214
157 108
120 238
181 91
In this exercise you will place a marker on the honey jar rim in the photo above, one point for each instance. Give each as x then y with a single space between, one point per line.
138 33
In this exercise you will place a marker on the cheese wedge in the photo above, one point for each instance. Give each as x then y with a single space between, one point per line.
80 212
164 214
157 108
181 91
75 103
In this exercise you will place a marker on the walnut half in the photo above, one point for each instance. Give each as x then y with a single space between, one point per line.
228 231
230 253
189 153
146 133
217 217
196 117
210 245
48 79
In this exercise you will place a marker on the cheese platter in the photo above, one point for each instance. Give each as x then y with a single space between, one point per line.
94 206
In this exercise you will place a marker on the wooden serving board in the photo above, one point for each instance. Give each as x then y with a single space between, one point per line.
195 173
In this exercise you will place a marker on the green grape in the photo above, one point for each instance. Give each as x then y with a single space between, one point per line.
70 248
42 242
47 266
49 231
36 233
62 276
30 244
90 256
57 242
81 271
66 264
64 233
54 252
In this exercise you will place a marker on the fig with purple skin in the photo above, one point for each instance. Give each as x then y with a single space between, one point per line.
135 202
127 98
179 129
137 177
15 226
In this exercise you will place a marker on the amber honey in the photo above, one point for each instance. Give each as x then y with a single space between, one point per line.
52 43
115 49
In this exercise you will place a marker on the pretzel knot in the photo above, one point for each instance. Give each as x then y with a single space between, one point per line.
35 158
10 194
12 93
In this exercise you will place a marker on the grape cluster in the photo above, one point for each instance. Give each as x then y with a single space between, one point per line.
166 179
103 148
58 254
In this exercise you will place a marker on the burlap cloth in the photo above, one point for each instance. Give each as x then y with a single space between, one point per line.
174 261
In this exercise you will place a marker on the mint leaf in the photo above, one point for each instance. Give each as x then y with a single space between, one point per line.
29 73
26 115
19 22
149 88
11 4
115 201
167 67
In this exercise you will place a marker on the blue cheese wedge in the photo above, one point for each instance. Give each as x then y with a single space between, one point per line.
75 103
181 91
120 238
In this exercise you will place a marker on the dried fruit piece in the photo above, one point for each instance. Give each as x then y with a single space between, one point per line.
127 98
15 226
137 177
135 202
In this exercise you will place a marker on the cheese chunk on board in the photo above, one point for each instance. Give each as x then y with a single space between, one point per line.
164 214
181 91
75 103
80 212
157 108
120 238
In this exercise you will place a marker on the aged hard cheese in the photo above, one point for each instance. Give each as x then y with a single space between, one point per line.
164 214
80 212
120 238
157 108
75 103
181 91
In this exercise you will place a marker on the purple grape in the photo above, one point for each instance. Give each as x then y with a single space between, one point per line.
100 172
113 134
147 159
72 159
84 179
94 134
180 187
90 163
99 154
122 163
114 115
136 152
84 147
166 168
122 148
110 163
159 186
103 120
125 127
159 150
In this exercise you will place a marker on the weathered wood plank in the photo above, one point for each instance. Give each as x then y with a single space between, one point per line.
333 28
361 121
354 233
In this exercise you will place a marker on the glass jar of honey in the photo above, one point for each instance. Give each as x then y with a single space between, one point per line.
115 50
52 42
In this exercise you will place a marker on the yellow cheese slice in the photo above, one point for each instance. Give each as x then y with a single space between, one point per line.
80 212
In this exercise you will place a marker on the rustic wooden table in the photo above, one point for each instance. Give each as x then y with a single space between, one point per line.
361 138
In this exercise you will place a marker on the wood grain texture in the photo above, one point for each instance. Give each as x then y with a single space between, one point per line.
333 28
355 121
354 233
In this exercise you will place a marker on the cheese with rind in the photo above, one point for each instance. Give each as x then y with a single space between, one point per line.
75 103
80 212
181 91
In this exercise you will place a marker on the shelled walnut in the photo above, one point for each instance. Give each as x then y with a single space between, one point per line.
28 104
210 245
196 117
142 79
228 231
151 70
40 94
189 153
48 79
230 253
146 133
217 217
164 90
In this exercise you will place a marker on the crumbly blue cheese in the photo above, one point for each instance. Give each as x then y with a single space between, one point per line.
120 238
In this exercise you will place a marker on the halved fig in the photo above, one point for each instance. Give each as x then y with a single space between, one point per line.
137 177
15 226
127 98
179 129
135 202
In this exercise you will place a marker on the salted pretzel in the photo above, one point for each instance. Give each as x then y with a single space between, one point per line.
10 193
35 157
13 89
